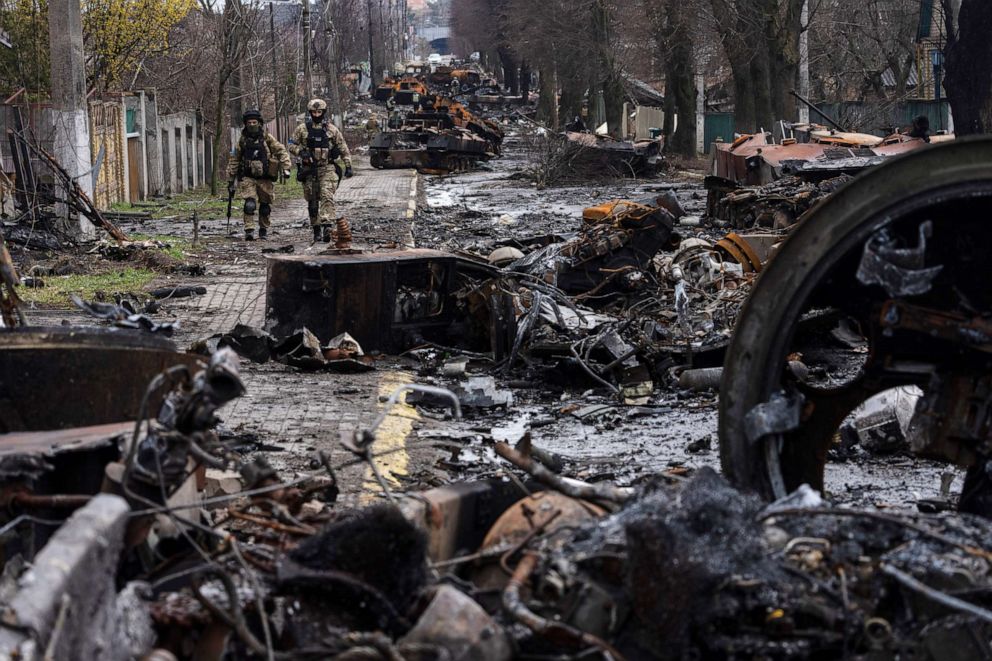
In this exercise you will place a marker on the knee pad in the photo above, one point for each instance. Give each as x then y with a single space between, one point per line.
313 206
249 206
264 209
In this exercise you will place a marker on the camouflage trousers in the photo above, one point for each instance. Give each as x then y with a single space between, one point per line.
319 194
262 192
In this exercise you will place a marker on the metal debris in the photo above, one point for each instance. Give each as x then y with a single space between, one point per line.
900 270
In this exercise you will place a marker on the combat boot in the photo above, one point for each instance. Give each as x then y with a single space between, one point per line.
316 233
263 232
327 233
249 235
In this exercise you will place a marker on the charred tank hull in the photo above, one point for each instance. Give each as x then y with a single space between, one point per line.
431 150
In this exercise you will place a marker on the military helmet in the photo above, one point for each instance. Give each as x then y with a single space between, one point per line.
251 114
317 104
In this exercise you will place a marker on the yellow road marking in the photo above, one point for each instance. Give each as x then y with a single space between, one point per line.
391 435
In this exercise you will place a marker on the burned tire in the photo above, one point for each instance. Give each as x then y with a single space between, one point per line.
815 274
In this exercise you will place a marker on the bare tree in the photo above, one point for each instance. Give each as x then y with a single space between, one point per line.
761 40
863 51
673 26
234 27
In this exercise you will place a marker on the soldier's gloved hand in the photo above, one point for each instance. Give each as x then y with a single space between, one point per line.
348 172
230 187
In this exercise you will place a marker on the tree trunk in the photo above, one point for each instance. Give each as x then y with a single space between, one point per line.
546 97
613 96
606 76
524 80
683 88
736 26
760 91
511 75
745 117
680 84
968 61
782 36
668 121
572 88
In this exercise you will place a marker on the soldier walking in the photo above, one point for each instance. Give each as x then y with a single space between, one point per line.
319 145
255 163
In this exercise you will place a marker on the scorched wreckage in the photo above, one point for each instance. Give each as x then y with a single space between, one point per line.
553 392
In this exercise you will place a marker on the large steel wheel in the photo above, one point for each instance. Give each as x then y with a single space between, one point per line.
776 421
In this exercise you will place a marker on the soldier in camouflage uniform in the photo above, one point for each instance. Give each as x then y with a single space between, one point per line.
255 162
319 144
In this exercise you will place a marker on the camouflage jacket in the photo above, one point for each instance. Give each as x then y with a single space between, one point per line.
299 142
275 152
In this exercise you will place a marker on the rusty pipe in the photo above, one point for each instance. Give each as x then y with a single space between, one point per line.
812 106
572 488
56 501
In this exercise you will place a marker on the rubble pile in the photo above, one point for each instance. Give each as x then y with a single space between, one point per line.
622 298
698 569
777 205
276 568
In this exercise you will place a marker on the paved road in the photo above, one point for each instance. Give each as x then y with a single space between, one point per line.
297 411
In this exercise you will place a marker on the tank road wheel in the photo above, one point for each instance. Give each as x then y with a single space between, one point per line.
884 285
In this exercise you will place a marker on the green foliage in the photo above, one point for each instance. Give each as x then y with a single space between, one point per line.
55 293
117 35
120 33
26 64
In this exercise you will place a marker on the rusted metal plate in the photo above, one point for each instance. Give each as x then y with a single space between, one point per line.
738 248
753 161
458 516
845 139
57 378
387 301
51 443
900 147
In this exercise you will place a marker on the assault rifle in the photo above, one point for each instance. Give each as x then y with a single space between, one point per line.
230 199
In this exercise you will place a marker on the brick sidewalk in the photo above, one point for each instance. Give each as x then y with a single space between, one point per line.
297 411
302 412
237 293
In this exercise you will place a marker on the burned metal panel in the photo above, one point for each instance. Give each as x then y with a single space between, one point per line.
69 604
57 378
383 299
458 516
55 442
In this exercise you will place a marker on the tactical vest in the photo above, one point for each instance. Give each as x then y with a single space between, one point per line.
255 158
319 143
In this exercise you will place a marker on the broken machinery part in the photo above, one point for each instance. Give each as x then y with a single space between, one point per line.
885 259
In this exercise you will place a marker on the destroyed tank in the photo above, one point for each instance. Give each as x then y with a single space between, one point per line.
408 91
443 138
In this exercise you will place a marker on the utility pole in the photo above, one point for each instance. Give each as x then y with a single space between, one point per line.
368 9
804 61
383 39
331 66
275 73
403 55
391 34
307 49
68 113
